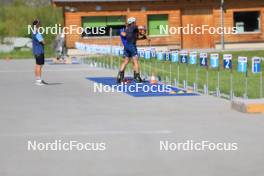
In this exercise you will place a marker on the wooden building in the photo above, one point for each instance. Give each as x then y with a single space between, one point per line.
246 15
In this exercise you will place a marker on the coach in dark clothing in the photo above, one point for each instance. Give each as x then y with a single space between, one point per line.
38 51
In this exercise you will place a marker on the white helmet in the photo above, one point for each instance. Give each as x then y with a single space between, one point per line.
131 20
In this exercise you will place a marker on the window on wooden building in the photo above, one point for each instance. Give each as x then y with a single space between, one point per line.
155 22
247 21
93 24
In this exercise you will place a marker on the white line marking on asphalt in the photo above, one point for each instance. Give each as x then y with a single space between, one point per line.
50 134
31 71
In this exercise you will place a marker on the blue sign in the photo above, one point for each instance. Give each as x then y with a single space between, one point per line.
193 58
214 60
121 52
167 56
175 56
184 57
108 50
141 53
160 56
147 54
227 61
117 51
256 65
153 53
203 59
242 64
74 60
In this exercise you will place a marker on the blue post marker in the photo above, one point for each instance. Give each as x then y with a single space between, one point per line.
256 68
138 52
203 59
168 56
184 57
195 84
153 53
147 54
74 60
228 65
160 56
109 50
141 53
227 61
121 52
214 63
256 65
175 56
175 59
193 58
116 51
184 60
242 68
242 64
214 60
204 63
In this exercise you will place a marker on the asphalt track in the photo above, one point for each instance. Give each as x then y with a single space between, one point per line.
132 128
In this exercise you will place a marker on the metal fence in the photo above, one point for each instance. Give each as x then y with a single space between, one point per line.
221 75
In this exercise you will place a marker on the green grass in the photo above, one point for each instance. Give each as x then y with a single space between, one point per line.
168 71
17 54
15 18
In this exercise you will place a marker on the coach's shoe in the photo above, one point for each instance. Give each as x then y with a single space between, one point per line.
120 77
39 83
137 78
43 82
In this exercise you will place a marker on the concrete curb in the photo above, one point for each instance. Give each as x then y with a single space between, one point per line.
248 106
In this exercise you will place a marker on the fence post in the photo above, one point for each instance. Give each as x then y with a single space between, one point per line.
196 87
150 69
206 87
170 75
218 83
178 74
156 69
186 74
111 45
261 85
119 58
246 84
231 85
163 78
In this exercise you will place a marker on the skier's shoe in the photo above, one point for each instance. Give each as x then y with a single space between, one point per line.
137 78
120 77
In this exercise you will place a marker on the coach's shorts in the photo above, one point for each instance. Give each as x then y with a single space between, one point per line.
40 59
130 50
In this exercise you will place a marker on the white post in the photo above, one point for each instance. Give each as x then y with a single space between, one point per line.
222 24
